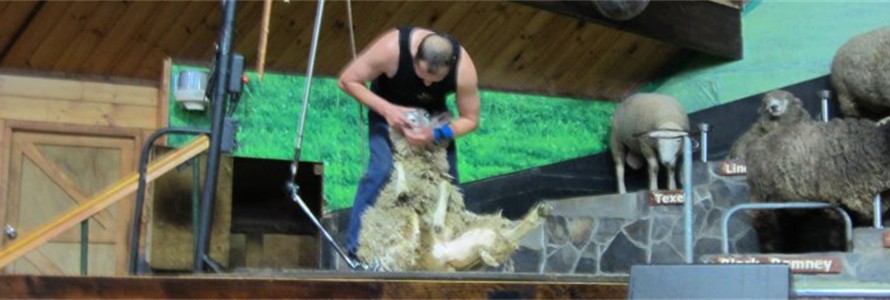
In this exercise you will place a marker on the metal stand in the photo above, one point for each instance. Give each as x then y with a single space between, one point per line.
825 95
291 185
136 226
292 190
223 58
689 201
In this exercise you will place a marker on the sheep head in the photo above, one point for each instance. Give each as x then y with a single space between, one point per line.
668 141
783 107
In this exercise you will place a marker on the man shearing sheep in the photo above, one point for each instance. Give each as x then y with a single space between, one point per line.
409 68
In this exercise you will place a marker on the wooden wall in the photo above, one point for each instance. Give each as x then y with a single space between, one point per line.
515 47
69 113
78 102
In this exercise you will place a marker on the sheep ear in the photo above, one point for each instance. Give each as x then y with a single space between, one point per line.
667 134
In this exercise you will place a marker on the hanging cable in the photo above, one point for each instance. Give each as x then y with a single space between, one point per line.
291 184
351 32
361 110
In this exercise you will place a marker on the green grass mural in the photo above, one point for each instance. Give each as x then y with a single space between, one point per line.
517 131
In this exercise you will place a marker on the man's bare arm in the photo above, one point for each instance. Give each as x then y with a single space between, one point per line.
466 98
380 58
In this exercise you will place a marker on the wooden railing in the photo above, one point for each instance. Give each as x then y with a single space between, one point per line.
101 200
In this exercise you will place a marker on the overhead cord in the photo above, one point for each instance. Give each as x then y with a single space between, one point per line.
361 111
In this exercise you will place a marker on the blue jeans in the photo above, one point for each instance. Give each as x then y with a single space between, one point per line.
377 174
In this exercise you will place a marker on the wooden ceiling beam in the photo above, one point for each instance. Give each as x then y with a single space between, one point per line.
704 26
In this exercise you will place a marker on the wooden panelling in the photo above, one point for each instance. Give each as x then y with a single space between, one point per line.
87 91
79 102
67 184
515 47
119 36
102 20
64 33
5 148
35 32
80 113
322 286
14 15
99 201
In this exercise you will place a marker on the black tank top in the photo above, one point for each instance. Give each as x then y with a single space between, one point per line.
407 89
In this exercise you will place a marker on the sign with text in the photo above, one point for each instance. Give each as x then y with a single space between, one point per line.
798 265
732 168
666 197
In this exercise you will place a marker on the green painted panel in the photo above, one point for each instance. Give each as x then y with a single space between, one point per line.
517 131
785 42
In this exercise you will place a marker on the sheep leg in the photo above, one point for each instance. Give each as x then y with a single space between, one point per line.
400 178
652 162
530 221
441 208
618 151
672 184
465 250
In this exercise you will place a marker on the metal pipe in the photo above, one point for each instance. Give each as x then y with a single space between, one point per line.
196 199
703 127
136 227
84 246
687 195
298 144
879 223
223 58
788 205
824 95
842 293
296 198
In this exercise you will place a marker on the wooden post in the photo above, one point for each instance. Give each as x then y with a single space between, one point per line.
264 38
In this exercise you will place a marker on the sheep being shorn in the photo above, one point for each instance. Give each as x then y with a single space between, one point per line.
774 113
651 125
419 221
860 74
843 162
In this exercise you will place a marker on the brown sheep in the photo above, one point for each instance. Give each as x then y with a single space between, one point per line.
774 113
860 74
843 162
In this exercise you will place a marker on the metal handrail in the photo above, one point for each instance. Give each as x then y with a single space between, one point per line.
878 222
789 205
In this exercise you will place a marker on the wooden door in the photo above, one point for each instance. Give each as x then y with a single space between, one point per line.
50 173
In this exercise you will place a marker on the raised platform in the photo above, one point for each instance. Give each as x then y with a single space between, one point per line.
292 284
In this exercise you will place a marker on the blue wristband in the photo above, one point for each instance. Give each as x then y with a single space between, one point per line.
446 132
437 135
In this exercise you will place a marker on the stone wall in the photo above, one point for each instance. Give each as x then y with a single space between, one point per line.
606 234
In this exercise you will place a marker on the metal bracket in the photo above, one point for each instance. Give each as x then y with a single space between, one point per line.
230 128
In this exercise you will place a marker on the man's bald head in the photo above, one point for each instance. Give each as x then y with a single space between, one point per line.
437 51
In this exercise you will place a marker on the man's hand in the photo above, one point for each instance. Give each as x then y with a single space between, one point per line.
397 116
418 137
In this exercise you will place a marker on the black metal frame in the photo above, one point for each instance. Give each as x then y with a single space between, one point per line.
223 57
136 226
216 132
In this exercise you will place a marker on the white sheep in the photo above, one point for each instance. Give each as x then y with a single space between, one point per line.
650 125
860 74
420 223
